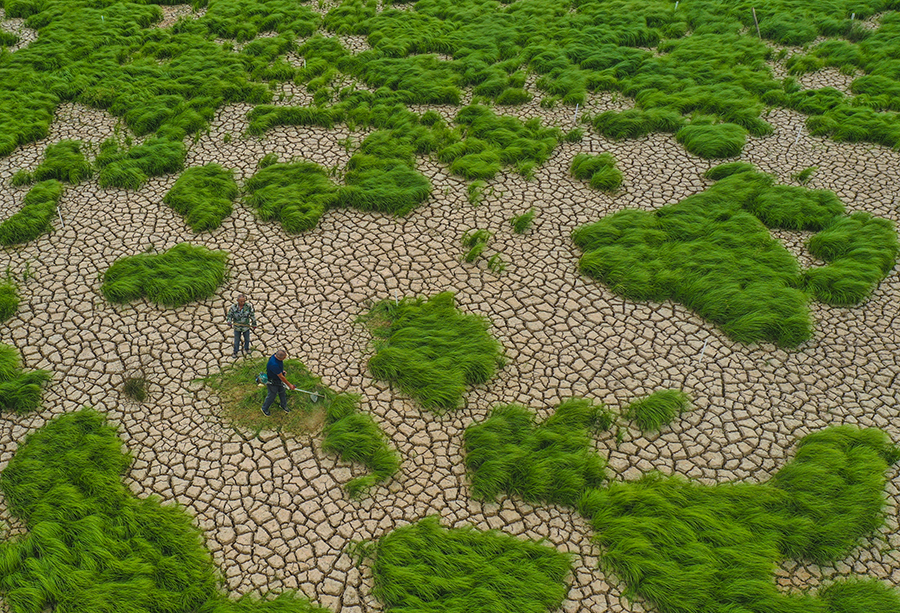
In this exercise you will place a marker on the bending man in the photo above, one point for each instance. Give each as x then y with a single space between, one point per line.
277 381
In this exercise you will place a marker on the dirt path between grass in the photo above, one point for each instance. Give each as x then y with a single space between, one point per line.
273 510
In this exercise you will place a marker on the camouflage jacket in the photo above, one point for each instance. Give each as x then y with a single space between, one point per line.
242 318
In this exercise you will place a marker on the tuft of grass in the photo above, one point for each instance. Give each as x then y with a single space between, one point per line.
717 173
36 215
552 462
658 409
427 567
496 264
203 194
522 223
20 391
295 194
722 140
683 546
860 596
91 540
182 274
475 241
600 170
63 161
431 350
135 388
9 299
475 191
804 175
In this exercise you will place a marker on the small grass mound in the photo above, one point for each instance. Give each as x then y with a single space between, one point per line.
135 388
658 409
710 141
599 170
36 215
685 547
203 195
63 161
552 462
522 223
431 350
182 274
475 242
9 299
92 544
20 391
352 435
425 567
636 122
296 194
132 168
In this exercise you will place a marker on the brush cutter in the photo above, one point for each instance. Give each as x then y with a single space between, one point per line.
313 396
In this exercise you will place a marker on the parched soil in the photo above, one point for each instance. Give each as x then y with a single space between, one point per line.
273 510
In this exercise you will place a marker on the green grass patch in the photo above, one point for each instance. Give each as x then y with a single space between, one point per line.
475 241
657 410
64 161
9 299
92 543
36 215
522 223
132 168
297 195
633 123
20 391
182 274
203 194
713 253
349 433
685 547
431 350
860 596
551 462
135 388
426 567
722 140
717 173
599 170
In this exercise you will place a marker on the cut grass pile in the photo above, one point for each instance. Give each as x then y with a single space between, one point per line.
349 433
182 274
9 299
20 391
36 215
92 545
431 350
203 195
297 195
426 567
686 547
63 161
713 253
658 409
551 462
599 170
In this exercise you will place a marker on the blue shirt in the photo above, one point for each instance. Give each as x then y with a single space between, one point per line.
274 368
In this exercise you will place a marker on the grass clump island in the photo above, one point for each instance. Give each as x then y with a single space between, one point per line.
20 390
176 277
9 299
295 194
35 218
551 462
658 409
63 161
599 170
426 567
203 195
348 432
713 253
431 350
92 545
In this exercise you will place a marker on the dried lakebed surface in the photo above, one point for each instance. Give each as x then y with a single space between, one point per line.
273 510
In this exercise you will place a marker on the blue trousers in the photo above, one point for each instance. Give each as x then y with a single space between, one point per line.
237 340
275 389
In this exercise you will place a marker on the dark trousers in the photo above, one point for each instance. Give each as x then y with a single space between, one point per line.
275 389
237 340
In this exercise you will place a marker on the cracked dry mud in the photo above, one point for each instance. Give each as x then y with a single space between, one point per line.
273 511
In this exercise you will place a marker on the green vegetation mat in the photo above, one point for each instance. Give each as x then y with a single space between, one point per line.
182 274
9 299
349 433
36 215
599 170
431 350
20 391
92 545
552 462
63 161
203 195
713 253
424 567
658 409
688 547
296 194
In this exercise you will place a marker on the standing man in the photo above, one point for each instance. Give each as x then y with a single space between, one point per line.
277 381
242 318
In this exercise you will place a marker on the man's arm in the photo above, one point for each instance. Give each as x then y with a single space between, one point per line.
286 382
